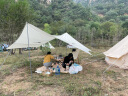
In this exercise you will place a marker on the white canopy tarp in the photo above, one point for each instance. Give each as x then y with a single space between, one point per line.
35 36
120 49
70 46
49 45
70 40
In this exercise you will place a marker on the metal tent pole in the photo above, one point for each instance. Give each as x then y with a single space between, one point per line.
66 50
29 51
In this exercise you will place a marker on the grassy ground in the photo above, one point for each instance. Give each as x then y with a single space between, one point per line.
15 77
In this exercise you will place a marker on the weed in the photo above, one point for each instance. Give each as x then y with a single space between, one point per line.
91 91
22 74
69 87
47 83
89 71
98 73
41 82
98 83
34 87
18 81
3 94
6 72
19 90
110 73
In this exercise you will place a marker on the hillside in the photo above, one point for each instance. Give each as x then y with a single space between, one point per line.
109 9
96 23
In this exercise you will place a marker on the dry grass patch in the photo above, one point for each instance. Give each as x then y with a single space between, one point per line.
15 81
48 91
89 82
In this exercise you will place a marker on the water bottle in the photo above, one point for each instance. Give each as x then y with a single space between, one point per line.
57 70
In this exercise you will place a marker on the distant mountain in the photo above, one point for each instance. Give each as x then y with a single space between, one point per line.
114 10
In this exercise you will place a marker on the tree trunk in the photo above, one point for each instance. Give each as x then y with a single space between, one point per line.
102 39
20 52
92 38
12 52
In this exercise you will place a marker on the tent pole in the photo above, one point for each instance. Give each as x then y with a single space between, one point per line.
66 50
29 51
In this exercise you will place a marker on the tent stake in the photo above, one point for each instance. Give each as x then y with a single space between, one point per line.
29 51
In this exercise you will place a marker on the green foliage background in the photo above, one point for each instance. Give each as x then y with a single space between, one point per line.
97 23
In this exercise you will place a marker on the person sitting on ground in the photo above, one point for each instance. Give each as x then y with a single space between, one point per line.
68 61
47 60
75 53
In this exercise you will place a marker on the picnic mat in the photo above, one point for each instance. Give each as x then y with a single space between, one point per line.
43 69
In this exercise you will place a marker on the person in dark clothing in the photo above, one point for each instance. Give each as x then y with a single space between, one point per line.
68 61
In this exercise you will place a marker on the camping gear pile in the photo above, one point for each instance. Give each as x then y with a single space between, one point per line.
74 69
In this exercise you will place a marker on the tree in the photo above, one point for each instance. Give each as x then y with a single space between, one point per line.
125 29
111 15
109 30
13 18
95 32
125 25
47 28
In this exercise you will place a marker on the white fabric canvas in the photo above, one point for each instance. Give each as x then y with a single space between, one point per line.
36 37
70 40
70 46
49 45
121 62
118 50
118 54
